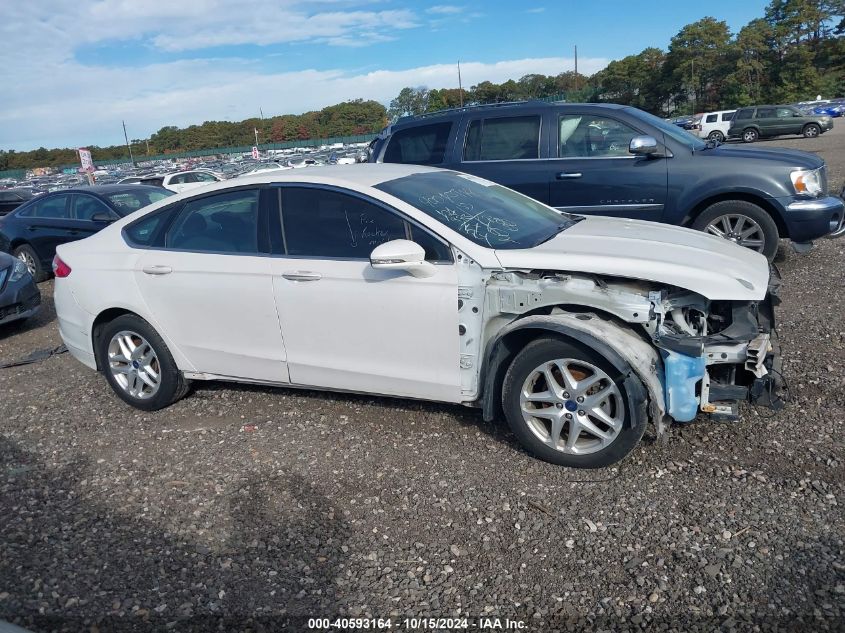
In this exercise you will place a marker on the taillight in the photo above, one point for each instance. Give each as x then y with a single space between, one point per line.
60 269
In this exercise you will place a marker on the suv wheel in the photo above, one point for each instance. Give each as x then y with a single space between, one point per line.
28 256
138 365
750 135
811 130
741 222
716 136
567 405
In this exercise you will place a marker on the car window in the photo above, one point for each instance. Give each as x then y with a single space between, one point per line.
587 136
765 113
435 249
52 207
785 113
204 177
85 207
221 223
506 138
323 223
143 232
125 202
420 145
745 113
727 116
712 118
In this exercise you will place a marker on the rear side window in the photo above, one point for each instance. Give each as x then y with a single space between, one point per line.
745 113
727 116
145 232
712 118
53 207
766 113
508 138
420 145
222 223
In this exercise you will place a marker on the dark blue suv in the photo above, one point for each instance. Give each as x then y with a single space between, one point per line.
620 161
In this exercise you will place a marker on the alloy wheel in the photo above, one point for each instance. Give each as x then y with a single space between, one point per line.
739 229
134 365
572 406
27 259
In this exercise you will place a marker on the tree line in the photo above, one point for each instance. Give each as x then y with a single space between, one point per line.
794 52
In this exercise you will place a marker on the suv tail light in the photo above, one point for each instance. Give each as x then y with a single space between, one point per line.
60 269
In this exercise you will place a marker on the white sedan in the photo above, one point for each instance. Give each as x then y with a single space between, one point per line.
416 282
183 180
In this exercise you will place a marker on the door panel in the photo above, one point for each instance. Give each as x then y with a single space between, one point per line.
48 224
595 174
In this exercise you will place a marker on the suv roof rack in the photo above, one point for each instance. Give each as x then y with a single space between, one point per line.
501 104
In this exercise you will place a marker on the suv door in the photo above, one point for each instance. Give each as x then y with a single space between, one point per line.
789 120
349 326
767 121
205 276
593 172
508 149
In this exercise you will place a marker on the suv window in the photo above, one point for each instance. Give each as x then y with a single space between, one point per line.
587 136
323 223
711 118
85 207
220 223
785 113
745 113
506 138
52 207
727 116
765 113
420 145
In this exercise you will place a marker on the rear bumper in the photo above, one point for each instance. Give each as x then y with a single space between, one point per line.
74 325
808 220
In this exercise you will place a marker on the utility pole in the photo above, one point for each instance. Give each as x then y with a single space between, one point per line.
576 67
255 129
128 146
460 85
260 113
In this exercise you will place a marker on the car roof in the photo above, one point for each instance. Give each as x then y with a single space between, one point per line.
496 107
104 189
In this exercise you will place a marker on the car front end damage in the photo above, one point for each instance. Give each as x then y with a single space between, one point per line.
691 353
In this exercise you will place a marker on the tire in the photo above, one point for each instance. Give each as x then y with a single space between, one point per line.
713 220
128 384
716 136
749 135
535 433
811 130
28 256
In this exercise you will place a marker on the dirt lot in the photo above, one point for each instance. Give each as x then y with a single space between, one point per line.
248 508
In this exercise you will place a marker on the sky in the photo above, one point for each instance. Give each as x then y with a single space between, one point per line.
73 71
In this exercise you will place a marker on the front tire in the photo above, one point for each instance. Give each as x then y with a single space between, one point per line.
716 136
811 130
567 405
743 223
28 256
138 365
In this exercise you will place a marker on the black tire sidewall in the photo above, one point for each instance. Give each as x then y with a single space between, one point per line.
811 126
716 136
755 135
749 209
40 274
544 349
171 384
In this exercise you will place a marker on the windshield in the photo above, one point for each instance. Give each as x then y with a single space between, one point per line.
682 136
125 202
486 213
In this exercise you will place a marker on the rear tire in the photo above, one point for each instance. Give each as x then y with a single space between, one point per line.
750 135
811 130
591 403
28 256
138 365
723 217
716 136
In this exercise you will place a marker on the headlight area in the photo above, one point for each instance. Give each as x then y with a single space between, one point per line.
718 354
808 182
19 271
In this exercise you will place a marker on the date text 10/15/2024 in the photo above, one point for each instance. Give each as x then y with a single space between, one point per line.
417 624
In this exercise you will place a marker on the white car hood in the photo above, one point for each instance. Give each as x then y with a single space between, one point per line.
711 266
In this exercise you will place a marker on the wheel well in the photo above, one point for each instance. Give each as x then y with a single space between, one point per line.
106 316
760 202
806 125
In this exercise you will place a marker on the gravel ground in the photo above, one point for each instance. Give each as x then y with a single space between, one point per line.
244 508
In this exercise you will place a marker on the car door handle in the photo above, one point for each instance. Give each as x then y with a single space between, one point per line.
157 270
302 275
565 175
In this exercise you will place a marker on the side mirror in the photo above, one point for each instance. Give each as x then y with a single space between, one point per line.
402 255
643 145
102 217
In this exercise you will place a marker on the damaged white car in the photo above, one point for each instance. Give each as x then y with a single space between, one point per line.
423 283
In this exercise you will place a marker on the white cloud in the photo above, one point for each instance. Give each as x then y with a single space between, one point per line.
58 101
444 9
